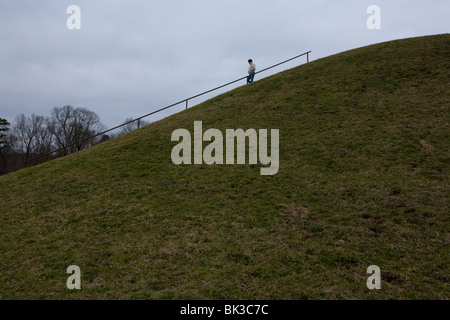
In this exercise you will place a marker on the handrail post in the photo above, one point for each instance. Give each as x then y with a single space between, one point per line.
307 57
187 103
139 123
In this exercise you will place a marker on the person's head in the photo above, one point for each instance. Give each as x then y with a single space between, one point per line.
250 60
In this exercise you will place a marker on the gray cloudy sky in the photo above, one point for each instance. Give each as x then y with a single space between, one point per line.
131 57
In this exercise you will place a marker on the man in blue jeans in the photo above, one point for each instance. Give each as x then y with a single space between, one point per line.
251 71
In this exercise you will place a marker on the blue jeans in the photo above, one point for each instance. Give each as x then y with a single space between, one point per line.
250 77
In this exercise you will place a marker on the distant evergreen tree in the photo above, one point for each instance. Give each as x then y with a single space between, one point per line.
4 127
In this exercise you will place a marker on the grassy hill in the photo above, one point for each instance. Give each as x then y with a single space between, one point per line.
363 180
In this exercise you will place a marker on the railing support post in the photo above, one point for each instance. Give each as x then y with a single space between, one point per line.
187 104
139 123
307 57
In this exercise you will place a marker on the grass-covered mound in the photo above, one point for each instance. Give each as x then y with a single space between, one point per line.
363 180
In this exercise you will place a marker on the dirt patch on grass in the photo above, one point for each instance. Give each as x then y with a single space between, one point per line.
426 146
293 211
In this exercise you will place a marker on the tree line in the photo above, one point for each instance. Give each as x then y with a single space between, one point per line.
30 139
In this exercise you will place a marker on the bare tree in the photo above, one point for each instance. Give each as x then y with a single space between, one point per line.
13 159
44 141
61 127
67 128
72 127
131 126
87 124
26 132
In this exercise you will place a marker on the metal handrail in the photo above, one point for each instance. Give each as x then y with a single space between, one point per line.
167 107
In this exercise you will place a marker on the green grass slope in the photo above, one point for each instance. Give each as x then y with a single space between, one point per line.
363 180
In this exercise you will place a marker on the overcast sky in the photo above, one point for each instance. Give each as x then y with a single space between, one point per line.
131 57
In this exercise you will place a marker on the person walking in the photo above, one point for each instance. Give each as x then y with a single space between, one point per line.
251 71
